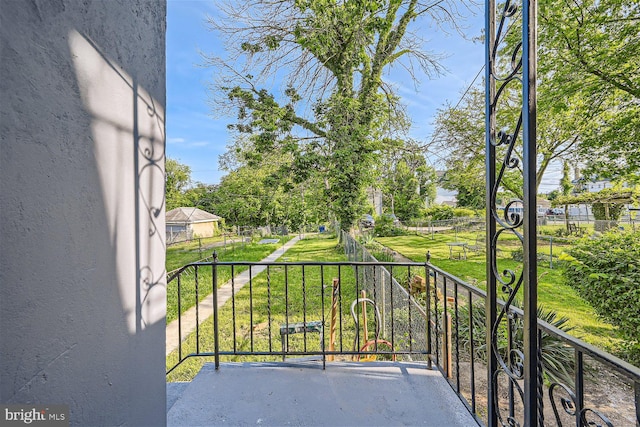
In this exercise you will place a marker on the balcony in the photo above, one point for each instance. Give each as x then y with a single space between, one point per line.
302 393
365 343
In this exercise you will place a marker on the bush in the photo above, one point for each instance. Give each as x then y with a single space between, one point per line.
518 255
557 358
385 227
463 212
439 212
600 211
376 250
606 273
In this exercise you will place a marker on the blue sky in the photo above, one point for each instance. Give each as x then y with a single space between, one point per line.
196 138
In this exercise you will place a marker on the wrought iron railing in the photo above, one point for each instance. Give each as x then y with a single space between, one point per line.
293 309
415 311
458 336
581 386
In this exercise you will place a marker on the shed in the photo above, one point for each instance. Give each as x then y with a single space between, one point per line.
191 222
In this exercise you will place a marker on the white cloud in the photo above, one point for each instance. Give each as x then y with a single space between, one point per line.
199 144
175 140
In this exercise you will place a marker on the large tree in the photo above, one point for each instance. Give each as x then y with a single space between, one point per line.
588 95
407 182
201 196
332 55
459 139
263 193
590 51
177 179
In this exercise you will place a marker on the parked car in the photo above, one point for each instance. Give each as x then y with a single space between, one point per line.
367 221
555 211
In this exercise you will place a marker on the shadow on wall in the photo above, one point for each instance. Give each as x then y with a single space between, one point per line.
128 130
82 294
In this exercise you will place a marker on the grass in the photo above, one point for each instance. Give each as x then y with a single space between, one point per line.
194 250
263 307
553 293
257 333
196 282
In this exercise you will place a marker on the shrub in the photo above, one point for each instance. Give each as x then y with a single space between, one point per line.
606 273
385 227
557 358
518 255
376 250
463 212
439 212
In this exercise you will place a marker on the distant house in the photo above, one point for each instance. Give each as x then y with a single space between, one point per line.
444 197
187 223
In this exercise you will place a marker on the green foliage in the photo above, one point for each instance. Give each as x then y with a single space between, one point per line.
463 212
607 211
557 358
590 71
177 178
607 195
606 273
376 250
334 58
385 227
407 182
262 193
466 177
565 182
439 212
553 194
202 196
461 133
587 95
518 255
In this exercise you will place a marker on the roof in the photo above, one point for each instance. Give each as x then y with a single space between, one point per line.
189 215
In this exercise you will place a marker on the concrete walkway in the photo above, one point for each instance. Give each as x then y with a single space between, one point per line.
205 308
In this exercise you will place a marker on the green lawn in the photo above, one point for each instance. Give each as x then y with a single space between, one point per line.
267 318
190 253
553 293
197 249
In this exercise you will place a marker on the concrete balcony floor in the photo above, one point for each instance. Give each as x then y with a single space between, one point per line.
301 393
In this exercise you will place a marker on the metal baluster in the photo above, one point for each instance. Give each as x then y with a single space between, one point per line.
216 343
233 308
197 313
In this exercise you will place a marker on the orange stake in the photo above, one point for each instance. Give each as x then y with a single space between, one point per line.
334 312
364 315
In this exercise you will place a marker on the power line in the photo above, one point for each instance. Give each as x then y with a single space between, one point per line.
439 130
440 157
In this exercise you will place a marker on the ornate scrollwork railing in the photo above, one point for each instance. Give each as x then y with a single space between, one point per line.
517 367
511 62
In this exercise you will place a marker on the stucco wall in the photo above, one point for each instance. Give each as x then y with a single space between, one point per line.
82 285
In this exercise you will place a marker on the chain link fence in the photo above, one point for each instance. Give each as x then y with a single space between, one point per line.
403 319
178 236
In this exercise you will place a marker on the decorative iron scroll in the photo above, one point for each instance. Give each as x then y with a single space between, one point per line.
511 61
587 417
511 366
